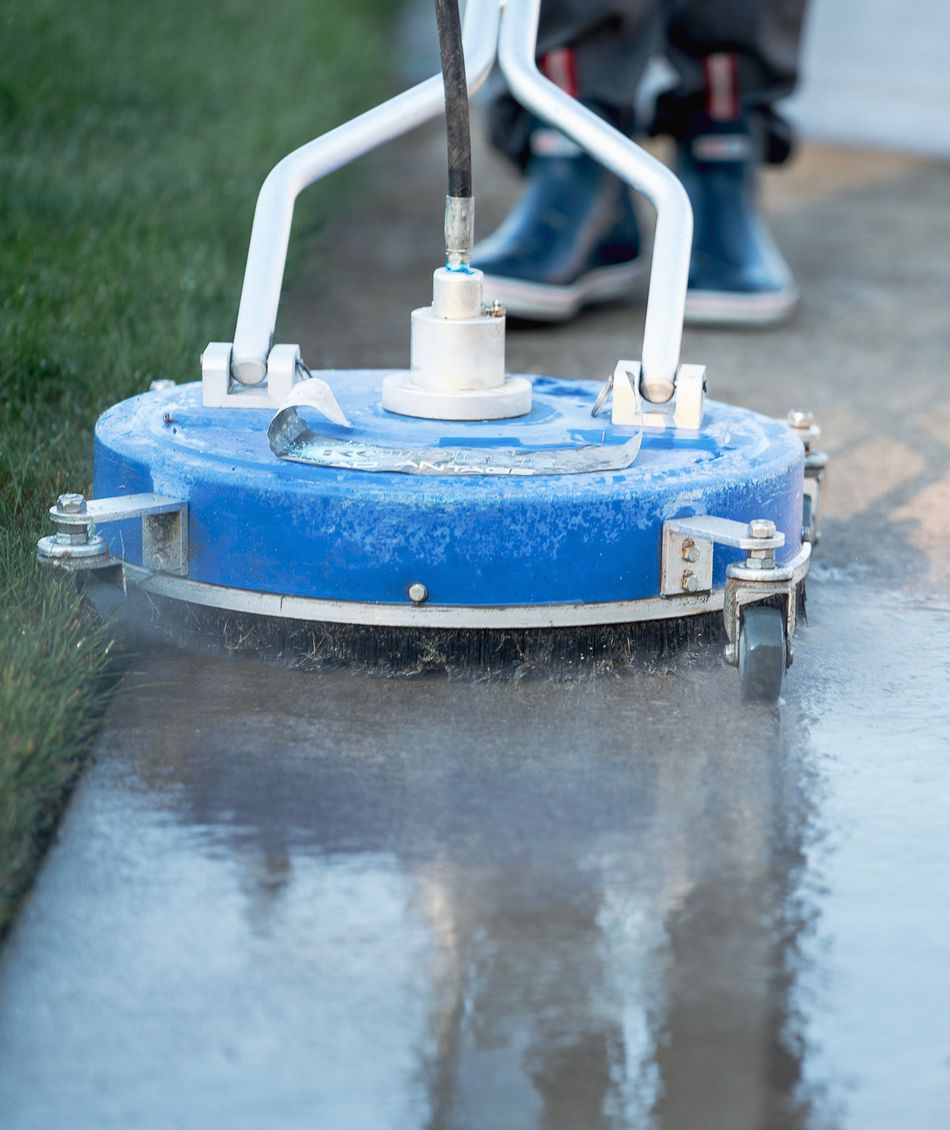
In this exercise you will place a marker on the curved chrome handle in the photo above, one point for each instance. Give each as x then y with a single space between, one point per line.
270 234
663 334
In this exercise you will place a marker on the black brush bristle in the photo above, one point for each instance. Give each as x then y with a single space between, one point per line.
406 652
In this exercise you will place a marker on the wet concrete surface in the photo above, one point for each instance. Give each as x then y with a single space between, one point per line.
284 899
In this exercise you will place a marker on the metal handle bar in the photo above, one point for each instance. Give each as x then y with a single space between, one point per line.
267 255
669 272
270 234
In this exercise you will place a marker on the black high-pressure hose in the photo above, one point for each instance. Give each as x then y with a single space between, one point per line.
459 210
456 97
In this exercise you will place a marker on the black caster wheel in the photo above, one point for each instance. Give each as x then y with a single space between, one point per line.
762 653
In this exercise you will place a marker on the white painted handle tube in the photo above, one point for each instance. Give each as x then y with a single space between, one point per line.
663 333
270 234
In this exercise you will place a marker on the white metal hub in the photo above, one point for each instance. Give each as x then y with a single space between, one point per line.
457 357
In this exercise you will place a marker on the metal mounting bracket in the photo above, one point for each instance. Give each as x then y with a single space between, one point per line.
219 389
683 412
686 563
75 545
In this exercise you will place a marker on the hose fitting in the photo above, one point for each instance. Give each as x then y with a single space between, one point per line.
459 231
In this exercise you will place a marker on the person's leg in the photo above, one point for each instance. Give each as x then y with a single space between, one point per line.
572 239
597 50
734 60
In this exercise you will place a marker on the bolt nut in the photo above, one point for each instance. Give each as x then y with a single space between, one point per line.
689 552
161 385
689 582
71 503
730 654
494 309
800 418
418 593
761 528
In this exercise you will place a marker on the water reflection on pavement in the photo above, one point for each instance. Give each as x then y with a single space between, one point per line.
288 900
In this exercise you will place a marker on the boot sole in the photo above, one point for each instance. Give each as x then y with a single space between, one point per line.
541 302
726 308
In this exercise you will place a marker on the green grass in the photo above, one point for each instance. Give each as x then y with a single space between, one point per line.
133 140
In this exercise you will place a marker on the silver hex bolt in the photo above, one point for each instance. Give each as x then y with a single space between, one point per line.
689 582
70 533
71 503
803 424
689 552
761 529
74 539
418 593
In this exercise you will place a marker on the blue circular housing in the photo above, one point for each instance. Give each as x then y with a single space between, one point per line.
257 522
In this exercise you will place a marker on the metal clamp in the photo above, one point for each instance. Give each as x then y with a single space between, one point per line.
683 412
76 545
219 389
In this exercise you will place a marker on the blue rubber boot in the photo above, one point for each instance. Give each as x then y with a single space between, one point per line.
737 276
571 241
